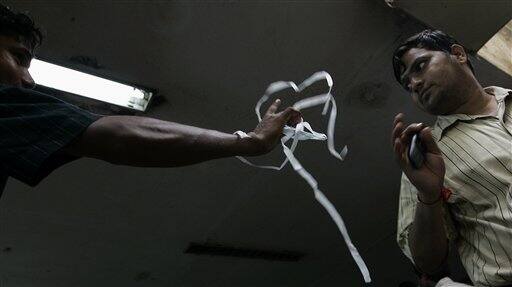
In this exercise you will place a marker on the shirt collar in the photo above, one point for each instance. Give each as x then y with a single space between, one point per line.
445 121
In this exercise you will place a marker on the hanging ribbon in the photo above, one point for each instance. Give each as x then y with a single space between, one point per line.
303 131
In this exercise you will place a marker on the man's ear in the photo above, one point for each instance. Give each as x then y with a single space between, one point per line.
458 52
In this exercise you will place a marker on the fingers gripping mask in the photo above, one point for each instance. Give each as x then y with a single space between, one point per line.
302 132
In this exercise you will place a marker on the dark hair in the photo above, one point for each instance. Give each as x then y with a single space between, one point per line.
427 39
20 26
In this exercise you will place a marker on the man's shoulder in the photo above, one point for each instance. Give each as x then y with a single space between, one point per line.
17 95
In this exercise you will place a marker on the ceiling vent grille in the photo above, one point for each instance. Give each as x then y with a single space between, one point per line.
223 250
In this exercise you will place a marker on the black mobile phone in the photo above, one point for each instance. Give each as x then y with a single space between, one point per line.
416 152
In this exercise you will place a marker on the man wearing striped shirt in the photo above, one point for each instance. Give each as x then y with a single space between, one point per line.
461 193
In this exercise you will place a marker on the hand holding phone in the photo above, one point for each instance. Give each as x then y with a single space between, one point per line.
419 156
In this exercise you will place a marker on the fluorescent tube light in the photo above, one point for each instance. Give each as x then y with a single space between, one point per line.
87 85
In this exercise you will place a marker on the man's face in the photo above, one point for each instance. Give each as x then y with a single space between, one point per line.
15 60
433 79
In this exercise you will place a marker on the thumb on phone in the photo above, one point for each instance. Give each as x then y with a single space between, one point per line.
428 141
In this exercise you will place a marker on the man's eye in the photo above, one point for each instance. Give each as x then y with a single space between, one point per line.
21 59
420 66
18 58
406 85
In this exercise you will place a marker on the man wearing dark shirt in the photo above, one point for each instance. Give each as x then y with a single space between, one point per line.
40 133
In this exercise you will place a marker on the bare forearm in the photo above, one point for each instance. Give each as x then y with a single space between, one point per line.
428 240
139 141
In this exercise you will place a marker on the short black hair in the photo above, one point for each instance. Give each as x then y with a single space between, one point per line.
434 40
20 26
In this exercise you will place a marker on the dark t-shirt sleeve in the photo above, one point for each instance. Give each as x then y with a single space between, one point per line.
33 127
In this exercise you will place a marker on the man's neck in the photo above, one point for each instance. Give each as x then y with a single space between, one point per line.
478 102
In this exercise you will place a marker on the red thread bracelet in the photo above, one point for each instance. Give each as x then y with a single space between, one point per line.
443 195
446 193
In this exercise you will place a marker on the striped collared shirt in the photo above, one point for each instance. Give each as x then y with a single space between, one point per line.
477 152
